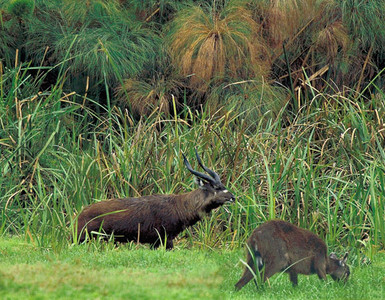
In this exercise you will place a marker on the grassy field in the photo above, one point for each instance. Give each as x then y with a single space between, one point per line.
95 271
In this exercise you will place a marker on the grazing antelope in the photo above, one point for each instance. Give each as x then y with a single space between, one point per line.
280 246
155 219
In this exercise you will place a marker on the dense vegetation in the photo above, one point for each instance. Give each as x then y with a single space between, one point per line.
98 99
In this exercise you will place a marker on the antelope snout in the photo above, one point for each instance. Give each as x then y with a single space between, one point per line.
232 197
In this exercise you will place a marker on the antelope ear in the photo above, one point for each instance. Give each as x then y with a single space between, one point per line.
333 255
345 258
199 182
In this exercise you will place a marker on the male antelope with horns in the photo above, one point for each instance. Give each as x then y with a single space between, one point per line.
155 219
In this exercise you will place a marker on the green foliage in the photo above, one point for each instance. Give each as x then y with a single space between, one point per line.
209 44
145 98
158 11
21 8
32 125
98 41
365 20
321 168
7 51
117 51
251 100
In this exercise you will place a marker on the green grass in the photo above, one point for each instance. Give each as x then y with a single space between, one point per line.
129 272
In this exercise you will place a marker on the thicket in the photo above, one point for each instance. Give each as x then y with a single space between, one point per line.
222 53
285 99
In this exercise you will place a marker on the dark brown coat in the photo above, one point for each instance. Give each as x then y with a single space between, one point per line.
280 246
154 219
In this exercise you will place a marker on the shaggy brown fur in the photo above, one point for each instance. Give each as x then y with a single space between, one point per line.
280 246
154 219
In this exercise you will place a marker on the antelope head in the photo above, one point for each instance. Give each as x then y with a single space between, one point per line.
338 268
215 193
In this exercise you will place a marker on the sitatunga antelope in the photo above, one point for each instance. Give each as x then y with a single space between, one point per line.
155 219
280 246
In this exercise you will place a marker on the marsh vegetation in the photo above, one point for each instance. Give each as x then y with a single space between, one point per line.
98 99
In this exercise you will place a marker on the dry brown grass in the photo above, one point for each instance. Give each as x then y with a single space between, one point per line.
314 36
244 42
144 98
210 45
284 19
331 40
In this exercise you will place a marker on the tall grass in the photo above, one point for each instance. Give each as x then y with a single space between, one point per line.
322 168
